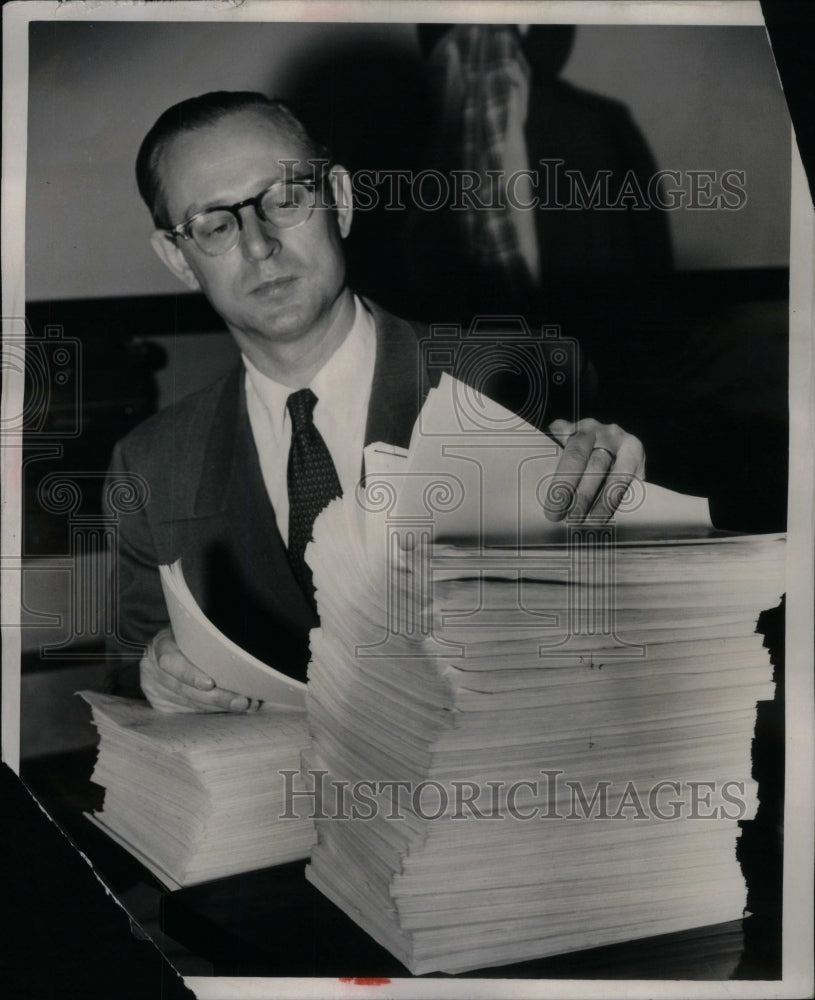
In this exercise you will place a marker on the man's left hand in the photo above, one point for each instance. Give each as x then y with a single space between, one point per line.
596 466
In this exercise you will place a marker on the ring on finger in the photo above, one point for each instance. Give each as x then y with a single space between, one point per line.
610 454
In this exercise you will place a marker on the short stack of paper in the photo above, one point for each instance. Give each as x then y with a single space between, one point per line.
535 749
197 797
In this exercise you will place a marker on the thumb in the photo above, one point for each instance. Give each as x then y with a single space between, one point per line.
561 430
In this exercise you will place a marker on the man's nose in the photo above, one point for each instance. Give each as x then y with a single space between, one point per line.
257 240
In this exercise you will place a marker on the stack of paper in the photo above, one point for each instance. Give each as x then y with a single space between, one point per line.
197 797
537 748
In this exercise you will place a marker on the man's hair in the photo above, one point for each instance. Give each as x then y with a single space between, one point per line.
202 112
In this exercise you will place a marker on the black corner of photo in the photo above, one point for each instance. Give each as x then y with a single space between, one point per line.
64 934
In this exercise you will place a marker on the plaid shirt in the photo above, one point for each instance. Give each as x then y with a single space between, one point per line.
483 69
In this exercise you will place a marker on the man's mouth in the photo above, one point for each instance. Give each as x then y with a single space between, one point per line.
274 286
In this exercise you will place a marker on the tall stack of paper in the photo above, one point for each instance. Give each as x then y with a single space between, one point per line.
197 797
532 749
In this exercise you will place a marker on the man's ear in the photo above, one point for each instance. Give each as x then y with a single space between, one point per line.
340 181
171 255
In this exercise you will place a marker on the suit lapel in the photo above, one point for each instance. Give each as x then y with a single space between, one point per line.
233 521
399 384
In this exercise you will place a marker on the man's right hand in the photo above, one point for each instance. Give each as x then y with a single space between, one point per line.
171 683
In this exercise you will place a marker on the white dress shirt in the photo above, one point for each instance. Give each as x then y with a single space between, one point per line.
343 391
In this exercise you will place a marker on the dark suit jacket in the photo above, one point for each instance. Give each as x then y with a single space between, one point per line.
207 504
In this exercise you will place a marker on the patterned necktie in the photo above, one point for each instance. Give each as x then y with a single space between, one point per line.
312 482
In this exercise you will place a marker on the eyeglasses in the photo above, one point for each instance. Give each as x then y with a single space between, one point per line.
285 204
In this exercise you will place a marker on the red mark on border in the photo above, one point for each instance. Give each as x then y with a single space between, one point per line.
365 980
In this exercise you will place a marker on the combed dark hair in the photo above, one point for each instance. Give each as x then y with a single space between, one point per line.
201 112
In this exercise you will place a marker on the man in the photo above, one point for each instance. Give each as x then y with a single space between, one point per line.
248 211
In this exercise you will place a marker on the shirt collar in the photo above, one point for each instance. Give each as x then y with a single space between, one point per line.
333 384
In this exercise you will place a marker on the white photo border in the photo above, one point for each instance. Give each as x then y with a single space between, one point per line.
800 747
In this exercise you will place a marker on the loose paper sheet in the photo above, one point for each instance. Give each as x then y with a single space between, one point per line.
226 663
481 474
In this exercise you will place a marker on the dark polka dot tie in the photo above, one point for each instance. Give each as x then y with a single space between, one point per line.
312 481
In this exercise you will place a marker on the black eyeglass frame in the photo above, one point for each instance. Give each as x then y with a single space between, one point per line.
183 228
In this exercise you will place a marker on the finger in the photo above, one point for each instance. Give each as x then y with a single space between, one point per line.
627 464
167 701
172 661
169 674
636 457
238 702
154 684
561 431
158 684
218 699
592 485
562 492
610 496
215 700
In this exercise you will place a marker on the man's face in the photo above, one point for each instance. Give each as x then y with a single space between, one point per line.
276 285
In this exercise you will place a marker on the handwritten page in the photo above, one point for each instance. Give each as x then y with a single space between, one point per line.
185 733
